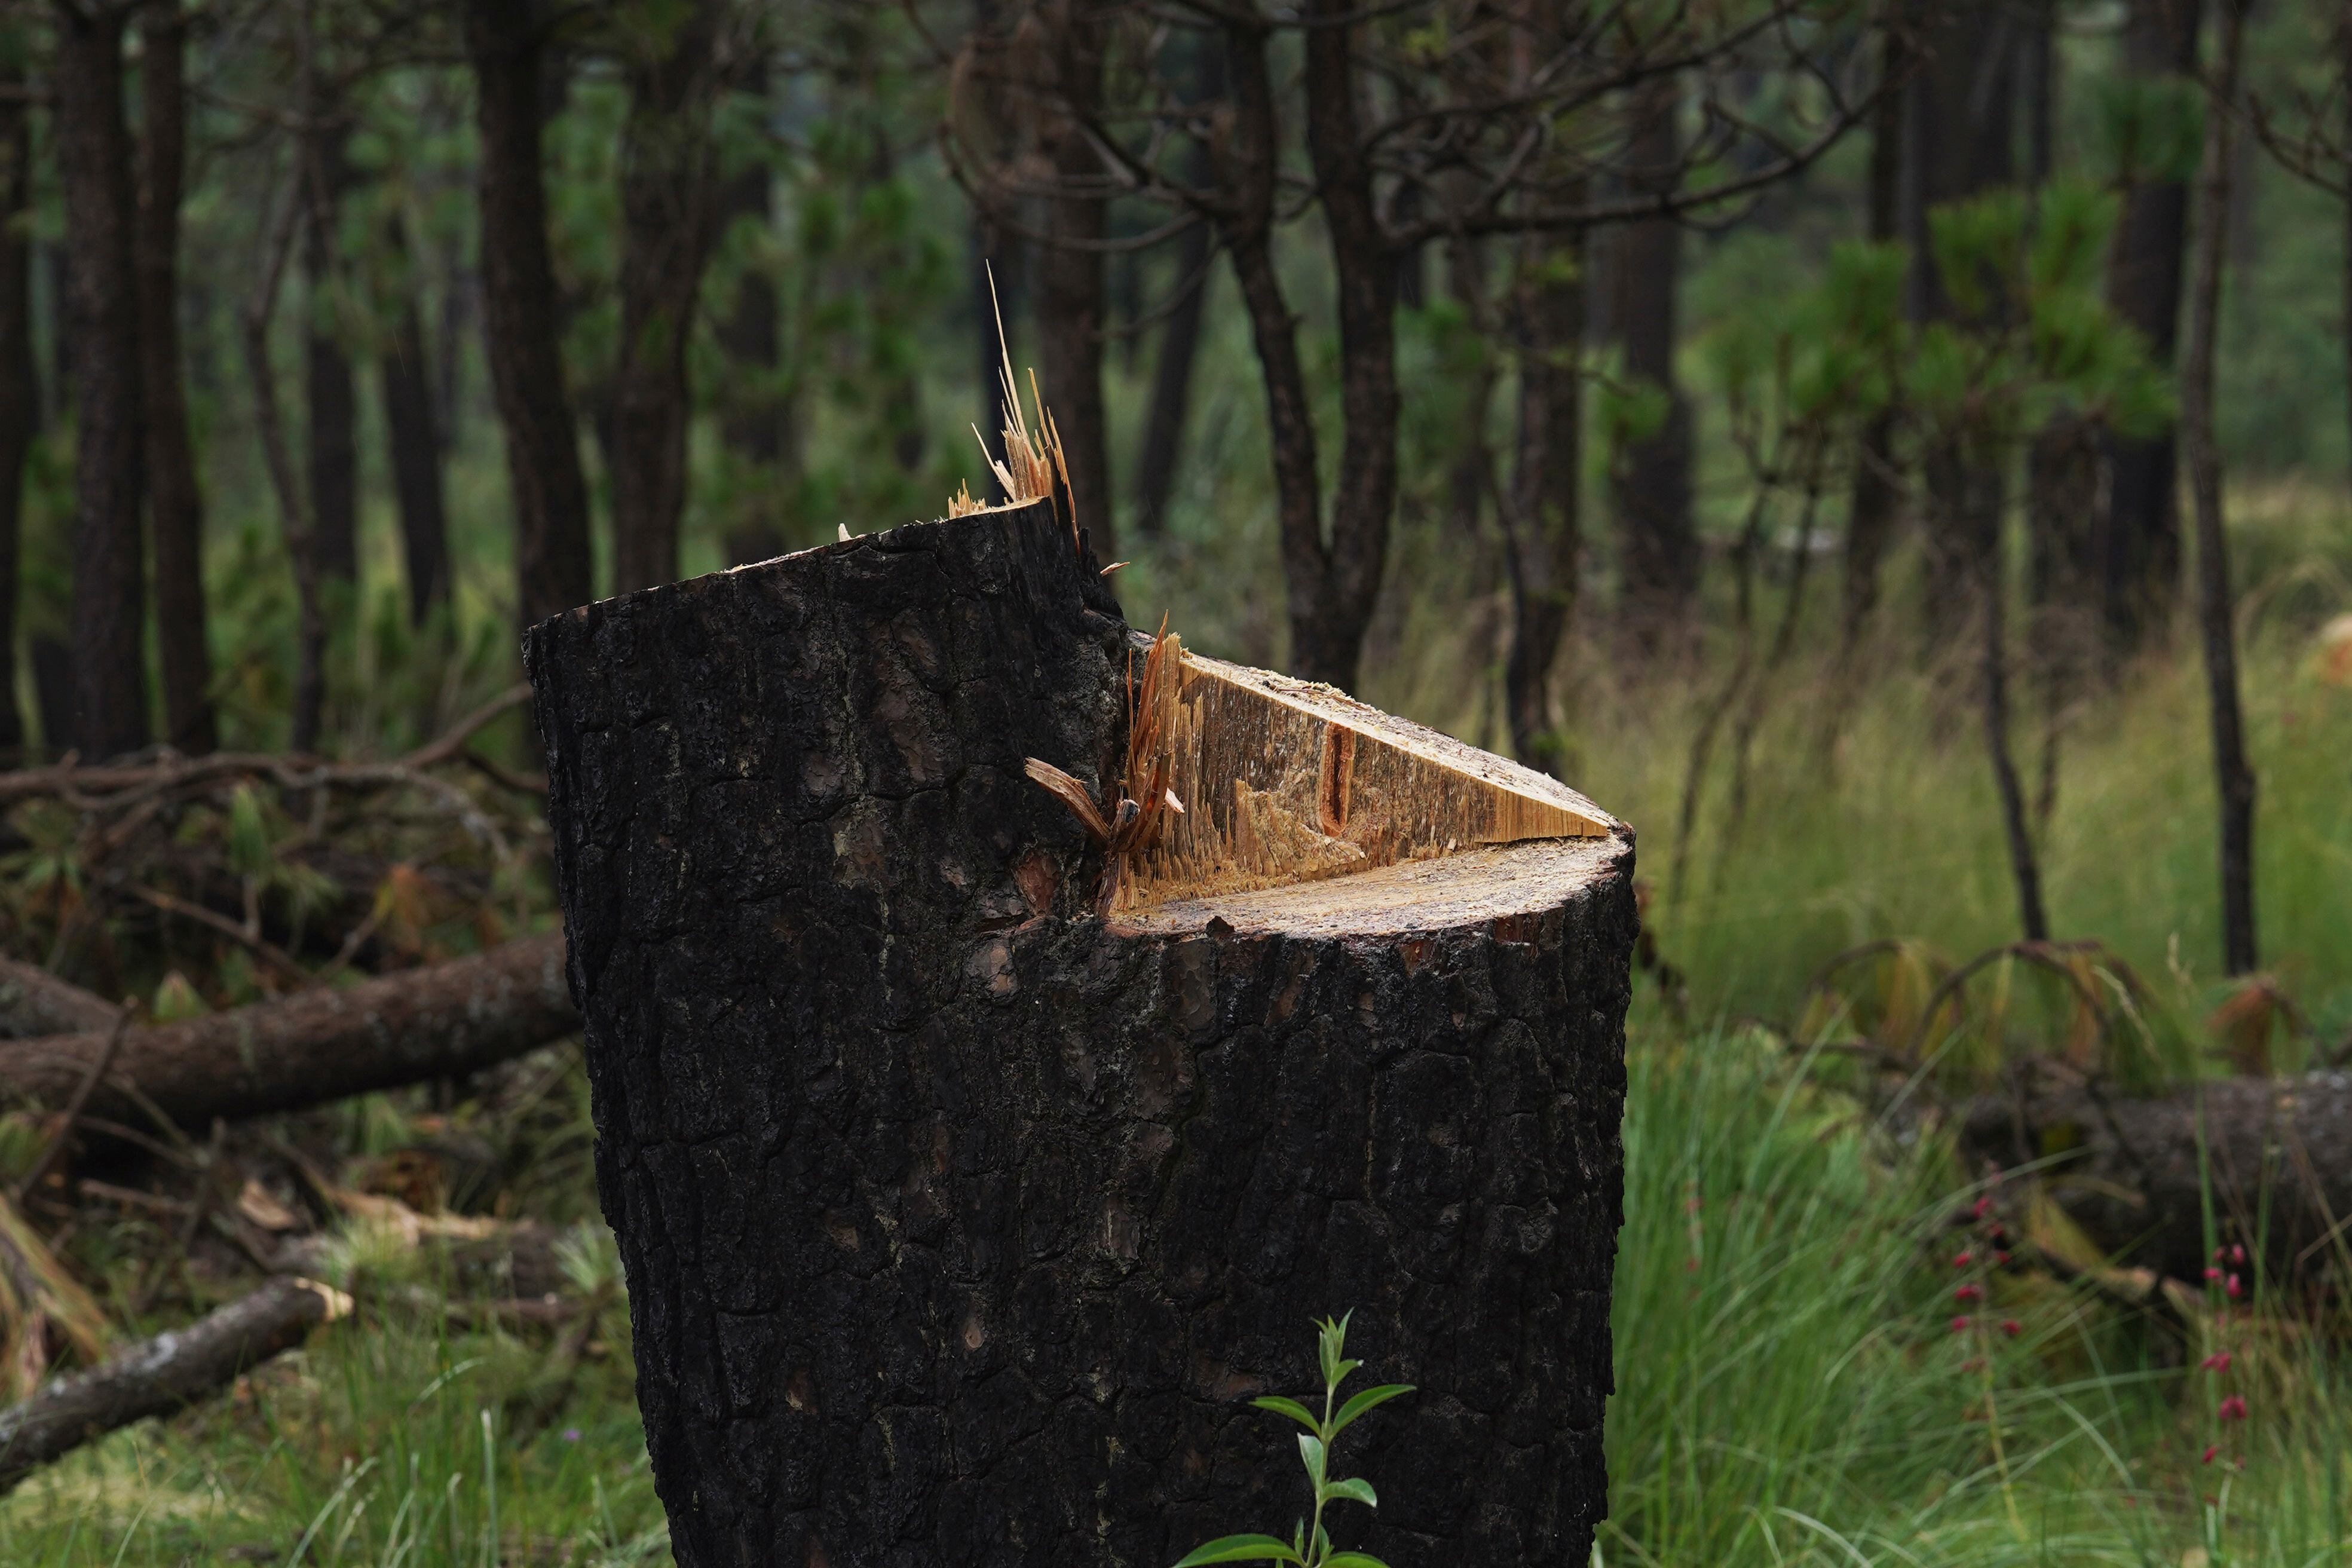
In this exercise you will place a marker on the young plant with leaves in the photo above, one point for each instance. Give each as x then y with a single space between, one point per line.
1310 1545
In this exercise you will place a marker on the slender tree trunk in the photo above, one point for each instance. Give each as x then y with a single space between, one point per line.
523 340
1327 642
2233 777
109 464
669 191
20 388
1957 140
755 423
1071 299
2138 564
1543 533
1992 597
1172 385
1651 479
404 377
2343 78
332 429
1870 519
301 537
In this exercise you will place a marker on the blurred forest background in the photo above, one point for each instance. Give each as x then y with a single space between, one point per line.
1893 454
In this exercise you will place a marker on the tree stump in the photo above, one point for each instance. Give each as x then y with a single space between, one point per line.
961 1218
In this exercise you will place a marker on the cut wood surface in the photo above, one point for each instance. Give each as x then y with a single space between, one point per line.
1284 780
313 1047
162 1375
962 1223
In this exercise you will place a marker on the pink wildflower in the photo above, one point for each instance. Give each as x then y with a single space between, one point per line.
2234 1288
2012 1327
2212 1449
2217 1362
1960 1324
2233 1408
1967 1292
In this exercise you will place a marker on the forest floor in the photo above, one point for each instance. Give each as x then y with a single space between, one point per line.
1792 1384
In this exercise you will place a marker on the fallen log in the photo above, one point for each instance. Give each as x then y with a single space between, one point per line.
2269 1159
33 1002
962 1220
160 1375
313 1047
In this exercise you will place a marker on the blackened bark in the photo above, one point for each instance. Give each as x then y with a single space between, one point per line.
411 431
1071 297
20 386
2233 777
109 459
1328 640
668 206
1870 517
332 427
1542 535
756 423
174 501
960 1224
2138 564
522 338
1650 482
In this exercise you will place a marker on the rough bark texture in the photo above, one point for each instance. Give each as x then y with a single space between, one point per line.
2276 1155
961 1225
1650 483
316 1045
524 342
160 1375
110 467
411 431
2136 556
668 189
175 502
1071 297
20 385
35 1002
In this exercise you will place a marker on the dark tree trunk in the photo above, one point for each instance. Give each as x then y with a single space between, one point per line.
756 424
1651 480
1328 639
174 501
2233 777
1542 535
53 690
960 1223
1869 519
1071 297
1172 385
2136 568
668 192
110 457
20 386
411 430
1958 143
522 338
332 429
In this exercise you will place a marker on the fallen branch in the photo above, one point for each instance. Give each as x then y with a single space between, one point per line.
162 1375
314 1046
35 1002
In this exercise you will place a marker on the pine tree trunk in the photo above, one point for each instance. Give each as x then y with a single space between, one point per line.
1869 519
522 338
20 386
174 501
1543 532
332 429
2136 565
1650 481
668 190
1171 383
1071 297
961 1222
110 457
755 425
411 431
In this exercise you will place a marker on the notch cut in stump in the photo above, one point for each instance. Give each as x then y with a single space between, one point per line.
960 1221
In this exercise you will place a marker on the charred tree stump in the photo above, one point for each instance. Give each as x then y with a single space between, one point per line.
962 1220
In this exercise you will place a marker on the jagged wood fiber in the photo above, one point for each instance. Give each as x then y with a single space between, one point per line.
960 1225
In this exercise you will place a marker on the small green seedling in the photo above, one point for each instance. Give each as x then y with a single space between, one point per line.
1309 1545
